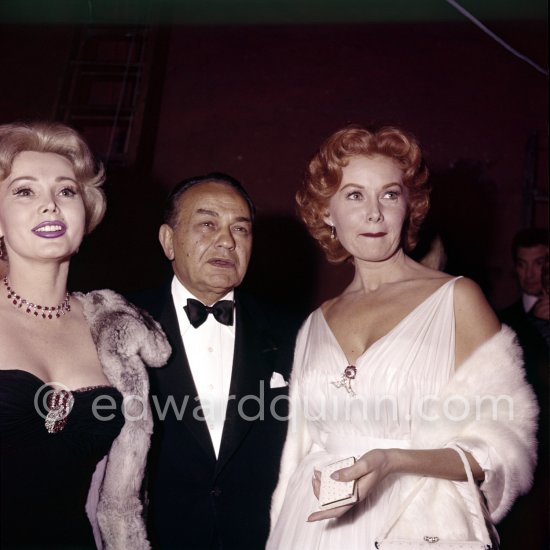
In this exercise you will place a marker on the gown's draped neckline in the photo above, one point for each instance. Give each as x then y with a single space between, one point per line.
53 385
381 339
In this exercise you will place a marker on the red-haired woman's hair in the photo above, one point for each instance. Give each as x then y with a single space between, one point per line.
324 175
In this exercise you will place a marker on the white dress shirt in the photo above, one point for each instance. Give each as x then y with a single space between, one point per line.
209 350
528 301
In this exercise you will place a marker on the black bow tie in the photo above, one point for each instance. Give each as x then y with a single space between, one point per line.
198 312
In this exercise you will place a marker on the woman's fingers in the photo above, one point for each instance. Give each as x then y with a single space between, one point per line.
364 486
316 482
358 470
367 472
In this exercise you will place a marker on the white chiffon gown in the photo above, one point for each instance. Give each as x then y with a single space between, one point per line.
394 375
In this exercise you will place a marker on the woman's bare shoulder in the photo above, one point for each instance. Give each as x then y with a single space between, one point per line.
470 299
475 319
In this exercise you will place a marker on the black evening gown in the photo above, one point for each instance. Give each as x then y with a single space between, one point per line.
45 477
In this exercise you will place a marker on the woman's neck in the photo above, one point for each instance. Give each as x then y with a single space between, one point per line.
44 284
369 276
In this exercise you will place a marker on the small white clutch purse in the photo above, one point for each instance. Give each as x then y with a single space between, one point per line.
333 494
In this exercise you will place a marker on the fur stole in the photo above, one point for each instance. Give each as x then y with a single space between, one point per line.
488 409
127 340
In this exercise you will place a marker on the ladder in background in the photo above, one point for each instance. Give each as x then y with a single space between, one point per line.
105 89
534 197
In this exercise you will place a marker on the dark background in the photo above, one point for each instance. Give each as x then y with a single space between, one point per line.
165 90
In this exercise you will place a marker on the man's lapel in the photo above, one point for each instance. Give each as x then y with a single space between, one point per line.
253 361
176 381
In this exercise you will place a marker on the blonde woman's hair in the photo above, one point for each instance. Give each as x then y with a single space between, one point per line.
53 137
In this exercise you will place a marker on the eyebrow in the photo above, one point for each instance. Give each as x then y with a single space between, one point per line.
207 212
533 259
32 178
215 214
385 186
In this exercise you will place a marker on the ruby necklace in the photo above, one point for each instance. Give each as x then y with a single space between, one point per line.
44 312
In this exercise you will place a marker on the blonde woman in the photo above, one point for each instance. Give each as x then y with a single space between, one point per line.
74 418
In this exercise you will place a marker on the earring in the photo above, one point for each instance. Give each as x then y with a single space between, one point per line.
1 247
332 232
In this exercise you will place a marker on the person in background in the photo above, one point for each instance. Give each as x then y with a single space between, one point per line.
530 255
67 361
377 367
528 523
220 404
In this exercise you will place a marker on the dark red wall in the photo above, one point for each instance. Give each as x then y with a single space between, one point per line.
256 102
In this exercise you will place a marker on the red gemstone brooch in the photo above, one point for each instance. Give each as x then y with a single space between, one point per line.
345 381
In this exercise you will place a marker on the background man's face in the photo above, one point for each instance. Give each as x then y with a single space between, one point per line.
529 263
211 243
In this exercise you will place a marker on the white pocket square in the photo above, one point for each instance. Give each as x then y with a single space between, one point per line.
277 381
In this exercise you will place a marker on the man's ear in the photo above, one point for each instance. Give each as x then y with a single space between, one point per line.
166 238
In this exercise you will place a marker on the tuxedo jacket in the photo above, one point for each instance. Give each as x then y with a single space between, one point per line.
195 500
535 348
526 525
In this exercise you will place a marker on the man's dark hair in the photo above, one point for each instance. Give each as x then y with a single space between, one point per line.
170 215
525 238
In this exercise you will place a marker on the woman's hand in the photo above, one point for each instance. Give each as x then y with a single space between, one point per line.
375 465
368 471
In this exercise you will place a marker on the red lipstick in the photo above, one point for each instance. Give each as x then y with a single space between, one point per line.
373 235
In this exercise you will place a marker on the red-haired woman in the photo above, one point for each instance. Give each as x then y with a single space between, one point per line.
390 371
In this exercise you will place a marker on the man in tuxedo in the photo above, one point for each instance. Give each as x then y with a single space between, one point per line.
526 526
529 315
220 404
